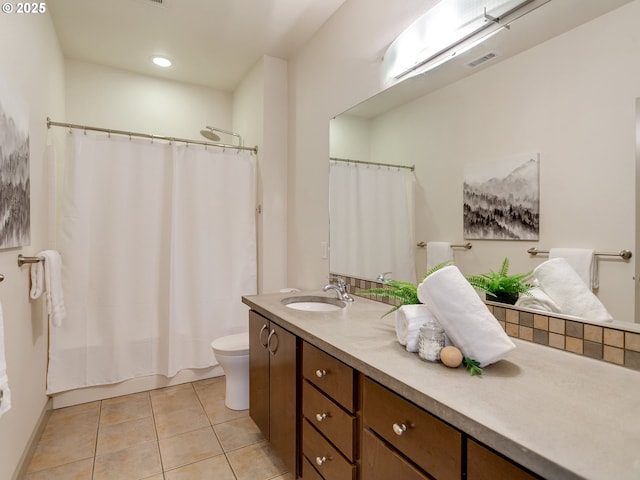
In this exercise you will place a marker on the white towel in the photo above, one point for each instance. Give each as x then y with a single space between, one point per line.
565 287
437 253
582 260
464 316
409 319
51 270
537 299
5 393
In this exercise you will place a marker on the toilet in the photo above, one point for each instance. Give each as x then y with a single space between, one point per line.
232 352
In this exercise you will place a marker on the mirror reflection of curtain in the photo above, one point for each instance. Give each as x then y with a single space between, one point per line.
371 221
158 244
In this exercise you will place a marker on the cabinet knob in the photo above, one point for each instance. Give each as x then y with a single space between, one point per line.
399 429
320 373
321 416
321 460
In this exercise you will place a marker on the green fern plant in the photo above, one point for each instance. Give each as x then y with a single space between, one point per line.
405 292
500 285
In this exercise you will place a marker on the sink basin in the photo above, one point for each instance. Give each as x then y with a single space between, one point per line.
311 303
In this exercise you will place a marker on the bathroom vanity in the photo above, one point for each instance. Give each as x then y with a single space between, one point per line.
354 404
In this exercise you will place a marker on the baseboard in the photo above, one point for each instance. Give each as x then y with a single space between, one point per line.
32 444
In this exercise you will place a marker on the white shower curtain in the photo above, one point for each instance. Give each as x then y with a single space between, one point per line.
371 230
158 245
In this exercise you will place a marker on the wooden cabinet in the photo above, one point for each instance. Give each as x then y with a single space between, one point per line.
380 462
273 357
484 464
329 425
428 442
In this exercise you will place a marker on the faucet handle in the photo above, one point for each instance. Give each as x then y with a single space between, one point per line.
383 277
341 283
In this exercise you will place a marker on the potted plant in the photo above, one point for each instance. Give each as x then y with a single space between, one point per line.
502 287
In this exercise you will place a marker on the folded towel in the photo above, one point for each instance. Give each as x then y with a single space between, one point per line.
437 253
51 269
409 319
567 290
5 393
464 316
582 260
537 299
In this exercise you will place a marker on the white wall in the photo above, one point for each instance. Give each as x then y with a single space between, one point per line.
260 111
571 99
32 66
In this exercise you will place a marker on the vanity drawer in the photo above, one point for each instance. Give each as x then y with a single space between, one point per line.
333 422
308 471
483 464
427 441
379 462
327 459
329 374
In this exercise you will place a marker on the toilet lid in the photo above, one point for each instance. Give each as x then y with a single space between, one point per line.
237 344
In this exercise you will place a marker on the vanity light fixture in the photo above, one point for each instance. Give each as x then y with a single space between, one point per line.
448 30
161 61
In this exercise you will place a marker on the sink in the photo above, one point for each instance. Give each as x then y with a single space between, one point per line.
310 303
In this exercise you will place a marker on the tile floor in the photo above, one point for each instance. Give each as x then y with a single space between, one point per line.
174 433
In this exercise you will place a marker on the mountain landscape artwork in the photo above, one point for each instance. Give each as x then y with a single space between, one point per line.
502 200
15 188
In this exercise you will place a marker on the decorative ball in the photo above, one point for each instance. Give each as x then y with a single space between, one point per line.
451 356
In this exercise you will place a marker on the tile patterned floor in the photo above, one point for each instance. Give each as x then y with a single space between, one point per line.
183 432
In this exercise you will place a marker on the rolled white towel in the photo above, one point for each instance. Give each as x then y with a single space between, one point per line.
565 287
464 316
409 319
537 299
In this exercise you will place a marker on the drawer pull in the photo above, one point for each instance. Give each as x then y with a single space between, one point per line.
399 429
322 460
320 373
264 327
321 416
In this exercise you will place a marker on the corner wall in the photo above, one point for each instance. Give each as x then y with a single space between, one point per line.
32 67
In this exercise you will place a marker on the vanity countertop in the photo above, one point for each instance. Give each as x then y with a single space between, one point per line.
561 415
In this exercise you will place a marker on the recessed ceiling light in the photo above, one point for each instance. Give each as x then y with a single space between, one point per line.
161 61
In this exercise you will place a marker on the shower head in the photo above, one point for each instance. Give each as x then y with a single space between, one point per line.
209 135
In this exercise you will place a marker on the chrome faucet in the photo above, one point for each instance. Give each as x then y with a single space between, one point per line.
382 278
340 287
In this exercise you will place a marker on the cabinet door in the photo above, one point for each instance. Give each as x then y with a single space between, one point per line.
259 371
283 394
483 464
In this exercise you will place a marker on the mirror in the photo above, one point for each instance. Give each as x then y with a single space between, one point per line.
541 94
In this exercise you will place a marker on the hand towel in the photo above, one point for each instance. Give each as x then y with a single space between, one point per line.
5 393
537 299
409 319
565 287
582 260
437 253
37 280
464 316
52 266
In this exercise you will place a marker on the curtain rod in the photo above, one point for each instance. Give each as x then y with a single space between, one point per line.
51 123
362 162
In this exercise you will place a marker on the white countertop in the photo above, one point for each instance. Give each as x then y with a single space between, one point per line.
559 414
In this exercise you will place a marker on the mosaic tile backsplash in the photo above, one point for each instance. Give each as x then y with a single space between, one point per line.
595 341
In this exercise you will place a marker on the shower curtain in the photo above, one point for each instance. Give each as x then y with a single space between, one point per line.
371 221
158 244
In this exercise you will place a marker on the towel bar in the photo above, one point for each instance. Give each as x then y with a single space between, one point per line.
466 246
22 260
625 254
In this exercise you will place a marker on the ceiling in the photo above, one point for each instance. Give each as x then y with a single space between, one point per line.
213 43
